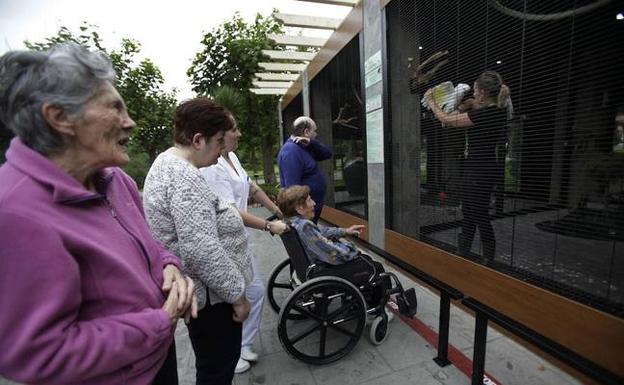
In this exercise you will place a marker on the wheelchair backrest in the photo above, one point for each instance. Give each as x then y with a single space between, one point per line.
296 252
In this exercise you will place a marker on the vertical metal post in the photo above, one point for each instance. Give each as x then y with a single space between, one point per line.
478 357
305 92
443 330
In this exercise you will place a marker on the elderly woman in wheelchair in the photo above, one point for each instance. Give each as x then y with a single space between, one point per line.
332 288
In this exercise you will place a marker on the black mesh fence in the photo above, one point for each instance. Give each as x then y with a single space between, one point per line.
537 190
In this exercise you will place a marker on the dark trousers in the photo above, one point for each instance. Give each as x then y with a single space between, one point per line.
168 373
358 271
475 209
216 340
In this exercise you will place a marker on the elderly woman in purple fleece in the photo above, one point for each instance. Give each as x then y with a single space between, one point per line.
88 295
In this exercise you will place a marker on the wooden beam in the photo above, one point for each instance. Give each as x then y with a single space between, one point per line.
300 41
289 55
268 91
348 3
261 84
304 21
283 67
276 76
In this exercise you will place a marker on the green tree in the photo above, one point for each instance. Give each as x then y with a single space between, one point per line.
140 83
230 57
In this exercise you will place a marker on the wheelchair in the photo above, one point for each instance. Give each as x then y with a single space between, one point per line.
322 317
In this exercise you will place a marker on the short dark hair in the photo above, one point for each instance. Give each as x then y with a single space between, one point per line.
289 198
200 116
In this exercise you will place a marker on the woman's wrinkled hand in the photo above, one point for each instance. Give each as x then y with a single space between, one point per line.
186 290
171 304
278 227
354 230
241 310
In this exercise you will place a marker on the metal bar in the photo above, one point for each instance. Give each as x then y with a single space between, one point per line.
478 356
443 330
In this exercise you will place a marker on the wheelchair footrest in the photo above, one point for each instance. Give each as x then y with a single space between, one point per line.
407 302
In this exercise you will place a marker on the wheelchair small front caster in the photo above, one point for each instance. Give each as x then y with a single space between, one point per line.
379 329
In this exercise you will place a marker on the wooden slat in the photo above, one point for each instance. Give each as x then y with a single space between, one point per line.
283 67
268 91
276 76
351 26
593 334
348 3
289 55
263 84
383 3
305 21
299 41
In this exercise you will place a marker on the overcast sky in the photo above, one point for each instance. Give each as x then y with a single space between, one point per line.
169 31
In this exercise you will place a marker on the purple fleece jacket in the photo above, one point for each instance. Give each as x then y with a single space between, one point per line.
80 278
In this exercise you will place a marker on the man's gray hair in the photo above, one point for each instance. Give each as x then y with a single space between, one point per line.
67 76
301 124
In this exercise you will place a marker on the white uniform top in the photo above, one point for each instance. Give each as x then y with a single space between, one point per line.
231 186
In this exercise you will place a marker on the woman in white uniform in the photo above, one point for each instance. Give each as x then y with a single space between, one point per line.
231 182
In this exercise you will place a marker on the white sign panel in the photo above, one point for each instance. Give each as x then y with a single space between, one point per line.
374 136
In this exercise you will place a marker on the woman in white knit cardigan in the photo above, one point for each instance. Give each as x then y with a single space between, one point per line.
187 216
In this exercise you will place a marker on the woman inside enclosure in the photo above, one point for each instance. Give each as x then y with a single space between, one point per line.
230 181
187 215
89 296
485 118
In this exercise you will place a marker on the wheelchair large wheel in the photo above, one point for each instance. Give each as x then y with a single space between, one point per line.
280 284
334 317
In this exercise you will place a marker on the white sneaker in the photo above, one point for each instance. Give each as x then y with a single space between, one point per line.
242 366
248 355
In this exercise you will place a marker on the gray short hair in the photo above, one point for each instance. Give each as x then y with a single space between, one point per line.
66 75
301 124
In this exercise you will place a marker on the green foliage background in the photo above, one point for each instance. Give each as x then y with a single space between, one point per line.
224 68
140 83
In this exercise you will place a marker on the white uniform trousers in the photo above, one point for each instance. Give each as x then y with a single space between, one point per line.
255 296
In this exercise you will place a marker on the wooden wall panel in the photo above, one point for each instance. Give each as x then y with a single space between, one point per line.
596 335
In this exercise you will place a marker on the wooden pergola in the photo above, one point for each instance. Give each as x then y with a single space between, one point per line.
285 66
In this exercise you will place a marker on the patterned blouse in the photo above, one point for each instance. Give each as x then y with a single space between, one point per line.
322 244
208 235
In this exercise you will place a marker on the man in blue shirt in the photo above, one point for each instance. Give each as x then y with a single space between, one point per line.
297 161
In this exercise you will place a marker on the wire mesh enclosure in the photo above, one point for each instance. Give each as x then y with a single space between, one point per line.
336 106
549 196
